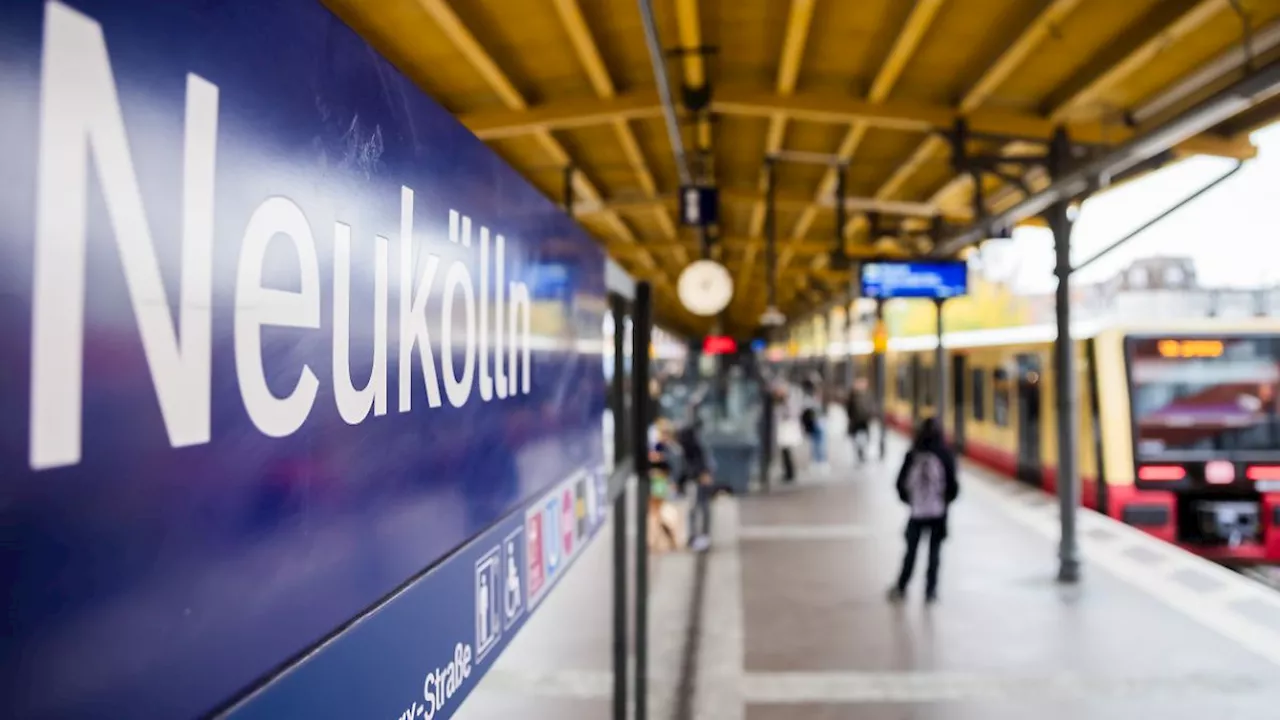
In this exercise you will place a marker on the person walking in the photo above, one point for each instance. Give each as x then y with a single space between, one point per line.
861 410
927 484
813 420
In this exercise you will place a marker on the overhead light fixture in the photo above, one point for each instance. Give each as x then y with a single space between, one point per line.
772 317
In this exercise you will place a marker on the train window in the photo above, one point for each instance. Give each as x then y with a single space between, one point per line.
1000 397
901 382
926 385
979 394
1205 395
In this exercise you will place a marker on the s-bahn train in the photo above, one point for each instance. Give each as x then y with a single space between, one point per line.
1179 424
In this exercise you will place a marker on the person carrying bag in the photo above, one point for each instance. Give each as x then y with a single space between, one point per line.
927 484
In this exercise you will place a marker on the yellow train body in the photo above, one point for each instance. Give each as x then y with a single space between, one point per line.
1000 410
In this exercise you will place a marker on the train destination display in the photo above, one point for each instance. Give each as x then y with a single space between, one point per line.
939 279
284 348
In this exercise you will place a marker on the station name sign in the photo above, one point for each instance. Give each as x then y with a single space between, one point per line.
933 279
483 342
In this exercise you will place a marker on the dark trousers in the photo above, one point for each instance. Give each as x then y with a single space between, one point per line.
937 529
700 513
788 465
860 433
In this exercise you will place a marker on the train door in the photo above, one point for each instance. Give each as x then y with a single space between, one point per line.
958 375
1028 384
917 389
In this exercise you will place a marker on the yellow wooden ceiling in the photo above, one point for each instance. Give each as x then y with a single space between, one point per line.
552 83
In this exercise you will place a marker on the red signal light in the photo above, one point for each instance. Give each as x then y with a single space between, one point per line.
1162 472
1263 472
719 345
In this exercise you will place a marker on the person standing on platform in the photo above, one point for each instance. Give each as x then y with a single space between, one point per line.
927 484
861 410
790 433
812 419
699 467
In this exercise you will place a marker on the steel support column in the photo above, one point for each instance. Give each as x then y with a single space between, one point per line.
1060 223
940 372
568 189
850 374
771 233
618 399
641 326
880 380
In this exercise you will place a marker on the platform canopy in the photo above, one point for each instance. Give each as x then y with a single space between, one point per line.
878 85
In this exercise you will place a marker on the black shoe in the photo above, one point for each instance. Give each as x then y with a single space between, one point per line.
931 598
895 595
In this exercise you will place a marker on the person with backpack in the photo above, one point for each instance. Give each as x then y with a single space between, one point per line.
861 411
927 484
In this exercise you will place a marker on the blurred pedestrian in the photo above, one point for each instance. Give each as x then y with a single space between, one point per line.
813 420
699 467
861 410
790 431
927 484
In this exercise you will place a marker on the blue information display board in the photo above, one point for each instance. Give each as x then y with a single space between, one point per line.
273 382
938 279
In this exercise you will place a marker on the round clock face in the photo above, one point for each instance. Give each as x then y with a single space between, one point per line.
705 288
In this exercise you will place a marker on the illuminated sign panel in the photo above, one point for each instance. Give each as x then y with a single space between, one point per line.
719 345
938 279
1190 348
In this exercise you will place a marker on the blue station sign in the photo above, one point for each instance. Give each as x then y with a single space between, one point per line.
278 388
939 279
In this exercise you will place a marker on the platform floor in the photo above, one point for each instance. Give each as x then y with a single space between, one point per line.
792 620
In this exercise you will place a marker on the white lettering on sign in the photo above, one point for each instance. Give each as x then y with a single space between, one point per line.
444 682
81 120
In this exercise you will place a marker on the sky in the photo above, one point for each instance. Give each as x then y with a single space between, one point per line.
1232 233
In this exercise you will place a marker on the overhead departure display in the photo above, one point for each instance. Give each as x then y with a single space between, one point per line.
935 279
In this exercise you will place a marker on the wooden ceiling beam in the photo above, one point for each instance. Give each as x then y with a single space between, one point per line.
689 26
810 246
466 43
794 41
784 201
584 45
1009 61
904 46
822 107
562 115
1167 22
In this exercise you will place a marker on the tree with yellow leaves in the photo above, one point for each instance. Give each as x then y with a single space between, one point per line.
988 305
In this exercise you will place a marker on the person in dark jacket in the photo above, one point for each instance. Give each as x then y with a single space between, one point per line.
860 409
699 467
927 484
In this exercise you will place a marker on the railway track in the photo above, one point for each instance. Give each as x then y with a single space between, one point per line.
1268 575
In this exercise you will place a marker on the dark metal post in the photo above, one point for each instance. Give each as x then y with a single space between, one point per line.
841 218
618 401
880 380
771 234
641 322
849 371
568 189
1065 374
940 373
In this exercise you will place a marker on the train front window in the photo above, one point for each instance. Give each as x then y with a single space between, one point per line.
1200 396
